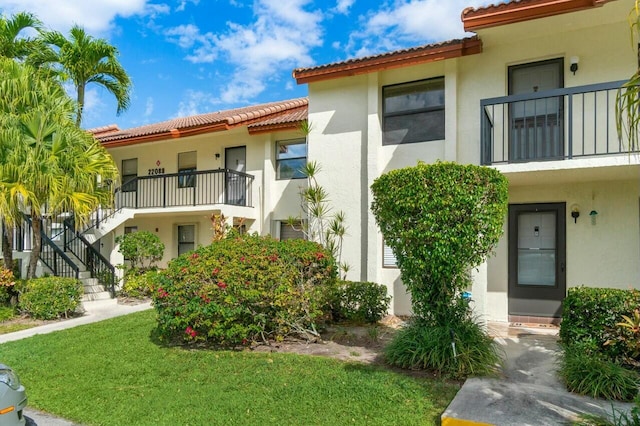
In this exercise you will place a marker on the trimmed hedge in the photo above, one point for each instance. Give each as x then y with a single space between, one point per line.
360 302
139 285
588 313
244 289
50 297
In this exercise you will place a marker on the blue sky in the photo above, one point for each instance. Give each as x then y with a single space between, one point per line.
188 57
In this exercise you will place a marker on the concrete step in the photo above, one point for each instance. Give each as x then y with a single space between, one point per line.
88 289
103 295
89 281
84 275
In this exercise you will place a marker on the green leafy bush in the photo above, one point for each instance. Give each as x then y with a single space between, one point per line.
139 285
142 249
440 220
50 297
589 314
587 372
6 313
421 345
242 289
360 301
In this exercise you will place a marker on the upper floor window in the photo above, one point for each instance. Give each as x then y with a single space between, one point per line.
186 167
413 112
129 175
291 157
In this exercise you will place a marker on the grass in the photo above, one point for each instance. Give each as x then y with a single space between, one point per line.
111 373
10 327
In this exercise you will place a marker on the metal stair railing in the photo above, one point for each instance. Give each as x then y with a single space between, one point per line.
92 259
53 256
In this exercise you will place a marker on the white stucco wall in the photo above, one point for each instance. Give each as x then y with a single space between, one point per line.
346 114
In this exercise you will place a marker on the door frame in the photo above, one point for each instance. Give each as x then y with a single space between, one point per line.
559 62
521 298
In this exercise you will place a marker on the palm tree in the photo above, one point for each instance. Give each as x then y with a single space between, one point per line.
83 59
50 165
11 44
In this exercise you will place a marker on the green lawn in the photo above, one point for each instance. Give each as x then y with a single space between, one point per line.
110 373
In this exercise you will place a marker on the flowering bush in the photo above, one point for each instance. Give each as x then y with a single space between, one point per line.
7 286
242 289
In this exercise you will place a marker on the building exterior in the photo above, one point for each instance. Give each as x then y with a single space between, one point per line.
242 163
532 93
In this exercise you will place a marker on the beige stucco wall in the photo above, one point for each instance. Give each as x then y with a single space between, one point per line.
604 254
346 114
272 199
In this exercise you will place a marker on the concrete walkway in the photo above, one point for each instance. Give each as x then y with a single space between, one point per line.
529 391
94 312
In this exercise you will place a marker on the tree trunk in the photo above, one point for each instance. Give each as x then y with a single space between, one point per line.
36 249
7 246
80 90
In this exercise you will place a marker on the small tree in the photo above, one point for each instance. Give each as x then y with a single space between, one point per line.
441 220
142 249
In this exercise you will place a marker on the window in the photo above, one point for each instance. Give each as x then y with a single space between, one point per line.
291 157
288 232
413 112
388 258
186 167
186 238
129 175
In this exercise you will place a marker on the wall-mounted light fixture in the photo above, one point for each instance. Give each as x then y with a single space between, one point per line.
217 155
594 215
575 213
574 64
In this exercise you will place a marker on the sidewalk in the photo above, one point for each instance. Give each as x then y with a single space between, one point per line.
94 312
528 392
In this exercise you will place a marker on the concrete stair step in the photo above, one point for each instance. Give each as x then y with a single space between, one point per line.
88 289
101 296
84 275
89 281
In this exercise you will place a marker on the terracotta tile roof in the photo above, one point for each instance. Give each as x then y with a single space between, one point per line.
281 114
104 130
521 10
283 120
398 58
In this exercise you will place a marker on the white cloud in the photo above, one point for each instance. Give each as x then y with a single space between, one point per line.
183 4
409 22
96 16
194 102
279 39
343 6
148 110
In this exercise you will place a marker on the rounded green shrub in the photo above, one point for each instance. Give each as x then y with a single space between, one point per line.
139 285
587 372
50 297
243 289
424 346
360 302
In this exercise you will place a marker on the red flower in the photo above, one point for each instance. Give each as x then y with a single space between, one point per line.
242 259
183 270
195 256
215 271
222 285
191 332
245 342
162 293
205 299
273 257
320 255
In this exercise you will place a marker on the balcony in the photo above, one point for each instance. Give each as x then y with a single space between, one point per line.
559 124
195 188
